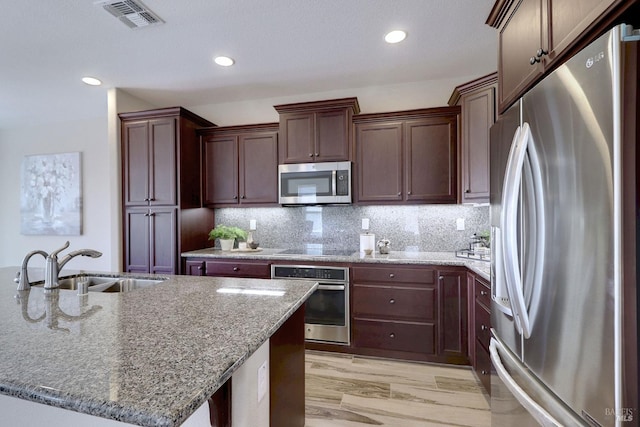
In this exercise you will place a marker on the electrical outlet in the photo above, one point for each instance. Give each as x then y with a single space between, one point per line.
460 224
263 381
252 224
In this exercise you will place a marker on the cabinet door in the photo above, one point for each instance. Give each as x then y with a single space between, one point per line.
258 168
379 162
430 160
331 136
136 240
194 267
162 166
135 163
297 133
221 170
569 18
519 40
162 241
478 114
452 294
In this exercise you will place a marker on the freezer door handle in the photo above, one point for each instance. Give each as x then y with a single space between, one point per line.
537 411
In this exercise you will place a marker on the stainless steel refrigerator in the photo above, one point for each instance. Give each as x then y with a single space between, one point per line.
564 236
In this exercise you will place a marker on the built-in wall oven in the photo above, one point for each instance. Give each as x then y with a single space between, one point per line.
326 315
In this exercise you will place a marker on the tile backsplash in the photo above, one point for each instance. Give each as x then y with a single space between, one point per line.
424 228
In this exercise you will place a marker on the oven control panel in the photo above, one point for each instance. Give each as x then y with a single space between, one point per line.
340 274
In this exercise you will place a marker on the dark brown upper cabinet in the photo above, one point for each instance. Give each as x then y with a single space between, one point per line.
407 157
477 100
316 131
240 165
535 36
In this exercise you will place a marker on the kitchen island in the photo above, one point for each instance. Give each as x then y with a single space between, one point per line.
151 356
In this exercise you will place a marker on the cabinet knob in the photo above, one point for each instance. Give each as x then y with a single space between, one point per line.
484 293
467 191
317 154
541 52
392 335
533 60
392 301
200 268
244 197
236 269
483 327
310 154
484 372
392 275
440 277
399 194
235 197
408 193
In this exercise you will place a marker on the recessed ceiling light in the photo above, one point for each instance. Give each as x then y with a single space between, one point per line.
92 81
395 36
224 61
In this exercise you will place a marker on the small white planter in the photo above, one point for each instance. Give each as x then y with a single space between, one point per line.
227 244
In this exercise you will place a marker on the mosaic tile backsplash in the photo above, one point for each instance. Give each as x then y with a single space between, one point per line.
425 228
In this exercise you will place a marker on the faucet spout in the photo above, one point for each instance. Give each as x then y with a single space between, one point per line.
22 278
54 266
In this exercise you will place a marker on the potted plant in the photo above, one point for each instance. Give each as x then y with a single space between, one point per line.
227 235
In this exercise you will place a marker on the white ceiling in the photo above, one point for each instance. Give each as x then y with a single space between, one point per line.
281 48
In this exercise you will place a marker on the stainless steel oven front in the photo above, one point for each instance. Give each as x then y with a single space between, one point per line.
326 315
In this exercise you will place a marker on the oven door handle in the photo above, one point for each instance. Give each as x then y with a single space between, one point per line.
331 287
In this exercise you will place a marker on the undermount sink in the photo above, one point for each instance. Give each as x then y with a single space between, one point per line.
106 283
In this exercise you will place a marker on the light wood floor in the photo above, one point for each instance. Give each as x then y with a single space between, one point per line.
352 391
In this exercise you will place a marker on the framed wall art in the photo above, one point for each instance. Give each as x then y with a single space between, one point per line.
50 194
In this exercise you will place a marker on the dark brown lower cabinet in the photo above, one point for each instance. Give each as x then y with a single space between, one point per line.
404 312
481 331
227 267
220 406
452 289
150 240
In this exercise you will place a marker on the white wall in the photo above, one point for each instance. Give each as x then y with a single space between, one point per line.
88 137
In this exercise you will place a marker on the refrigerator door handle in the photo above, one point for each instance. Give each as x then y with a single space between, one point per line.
537 411
509 231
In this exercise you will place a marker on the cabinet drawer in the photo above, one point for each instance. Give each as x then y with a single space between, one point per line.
237 269
393 275
483 292
400 336
483 366
394 302
483 326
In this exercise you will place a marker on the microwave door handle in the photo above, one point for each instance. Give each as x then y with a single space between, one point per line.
334 185
538 412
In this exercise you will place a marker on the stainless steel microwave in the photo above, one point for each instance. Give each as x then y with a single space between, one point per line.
314 183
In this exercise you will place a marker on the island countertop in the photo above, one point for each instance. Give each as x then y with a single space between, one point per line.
481 268
148 357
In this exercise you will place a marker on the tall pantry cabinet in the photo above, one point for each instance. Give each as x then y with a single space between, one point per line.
162 210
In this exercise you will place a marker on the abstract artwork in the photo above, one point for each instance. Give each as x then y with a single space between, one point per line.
51 197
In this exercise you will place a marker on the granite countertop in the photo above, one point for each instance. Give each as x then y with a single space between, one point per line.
148 357
482 268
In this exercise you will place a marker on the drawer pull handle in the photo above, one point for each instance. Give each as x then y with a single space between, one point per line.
392 301
392 275
483 327
484 293
235 269
392 335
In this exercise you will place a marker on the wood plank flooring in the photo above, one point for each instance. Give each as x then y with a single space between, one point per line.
352 391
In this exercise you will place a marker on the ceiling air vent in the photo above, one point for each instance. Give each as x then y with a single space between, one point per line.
133 13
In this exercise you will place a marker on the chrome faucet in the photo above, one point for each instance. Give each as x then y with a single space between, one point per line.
22 278
54 266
